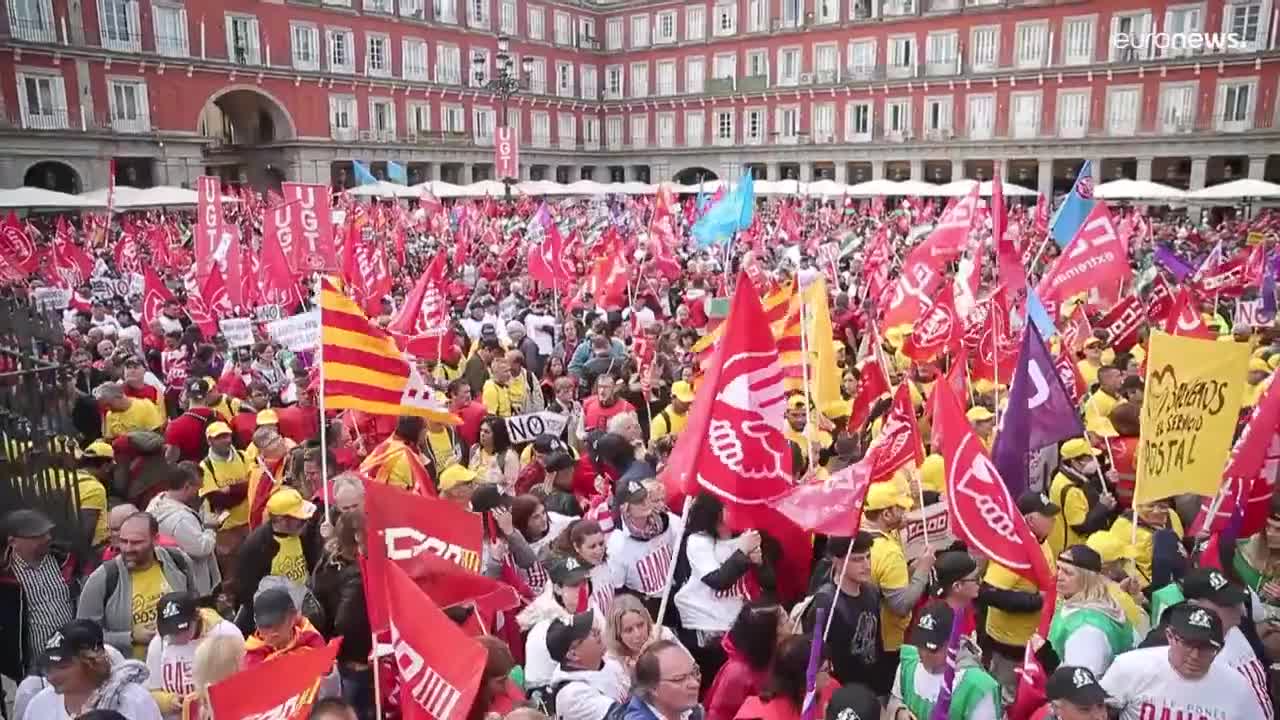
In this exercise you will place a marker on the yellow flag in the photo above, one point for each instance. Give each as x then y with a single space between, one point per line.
826 374
1189 411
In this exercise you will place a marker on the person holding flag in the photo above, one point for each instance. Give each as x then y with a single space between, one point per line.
852 642
398 461
975 695
1085 507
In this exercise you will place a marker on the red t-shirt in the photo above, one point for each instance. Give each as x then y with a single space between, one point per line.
596 416
186 432
299 424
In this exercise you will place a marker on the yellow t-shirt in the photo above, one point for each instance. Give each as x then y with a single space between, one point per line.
519 390
441 444
1123 529
802 438
289 561
1075 506
148 587
1097 414
497 399
889 572
93 496
1006 627
1088 371
666 423
219 474
141 415
398 473
227 408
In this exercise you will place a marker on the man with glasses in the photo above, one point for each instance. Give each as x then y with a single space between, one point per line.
1181 680
666 684
586 685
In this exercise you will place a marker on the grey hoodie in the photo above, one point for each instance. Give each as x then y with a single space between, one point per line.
115 612
186 526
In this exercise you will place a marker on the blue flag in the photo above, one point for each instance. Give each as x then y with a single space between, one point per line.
396 173
1073 211
363 176
1040 413
1037 314
734 212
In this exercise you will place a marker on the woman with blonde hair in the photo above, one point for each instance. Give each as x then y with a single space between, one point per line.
217 659
629 630
1089 628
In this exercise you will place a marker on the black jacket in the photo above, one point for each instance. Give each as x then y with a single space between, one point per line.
256 554
339 589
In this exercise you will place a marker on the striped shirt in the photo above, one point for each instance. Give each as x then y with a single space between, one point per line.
47 600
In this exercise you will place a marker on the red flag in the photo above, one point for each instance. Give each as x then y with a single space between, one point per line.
71 263
235 270
278 284
445 582
937 331
1184 319
1096 257
283 688
154 296
662 234
1069 373
1247 474
832 506
1160 300
871 387
1008 260
421 326
312 237
128 251
1122 323
203 301
546 258
208 230
440 667
899 441
1077 329
922 270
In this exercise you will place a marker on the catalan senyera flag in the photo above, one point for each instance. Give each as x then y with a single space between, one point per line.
782 309
362 367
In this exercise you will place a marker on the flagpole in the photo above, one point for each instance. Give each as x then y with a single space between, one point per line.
324 431
377 684
831 612
671 571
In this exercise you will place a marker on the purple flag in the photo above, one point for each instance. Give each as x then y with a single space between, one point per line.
815 660
1040 413
943 706
1170 261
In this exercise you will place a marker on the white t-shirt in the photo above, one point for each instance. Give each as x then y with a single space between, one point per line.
928 686
1237 654
1145 687
170 665
702 608
589 694
542 328
135 704
642 565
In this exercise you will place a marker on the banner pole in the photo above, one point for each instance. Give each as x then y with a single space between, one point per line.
377 684
831 613
324 430
671 571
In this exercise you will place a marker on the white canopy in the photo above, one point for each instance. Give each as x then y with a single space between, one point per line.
960 188
386 190
132 198
778 187
1125 189
543 187
917 187
876 188
1237 190
38 198
826 188
708 187
439 188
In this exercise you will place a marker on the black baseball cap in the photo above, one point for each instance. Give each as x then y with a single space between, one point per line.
952 567
559 460
1212 585
561 635
853 701
632 491
838 547
1083 557
1077 685
175 613
932 630
272 607
1195 625
197 388
1036 502
71 639
27 523
567 571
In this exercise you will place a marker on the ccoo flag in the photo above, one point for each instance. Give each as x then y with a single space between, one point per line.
1072 212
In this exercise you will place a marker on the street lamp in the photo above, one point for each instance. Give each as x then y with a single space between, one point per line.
506 82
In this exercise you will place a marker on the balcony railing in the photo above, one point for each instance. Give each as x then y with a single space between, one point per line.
122 42
942 68
53 118
37 31
898 8
720 86
343 134
140 124
753 83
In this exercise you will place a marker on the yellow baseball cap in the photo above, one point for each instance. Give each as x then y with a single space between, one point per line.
1073 449
884 495
932 474
978 413
99 449
983 386
287 502
682 391
217 429
455 475
1259 365
797 402
1110 547
1092 342
268 417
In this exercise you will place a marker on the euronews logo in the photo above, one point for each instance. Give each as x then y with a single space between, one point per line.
1193 41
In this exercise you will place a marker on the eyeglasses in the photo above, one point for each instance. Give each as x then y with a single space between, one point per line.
1198 649
694 674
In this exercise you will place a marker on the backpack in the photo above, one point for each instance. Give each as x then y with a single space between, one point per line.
178 558
544 698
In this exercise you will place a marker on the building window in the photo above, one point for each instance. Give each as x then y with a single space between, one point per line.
538 76
639 80
666 27
507 17
613 34
726 66
724 127
591 133
1178 108
753 126
791 13
937 118
342 117
445 11
1182 21
170 23
898 8
1235 105
377 62
639 131
1024 110
789 66
589 82
564 79
1244 20
417 117
120 27
902 56
1031 42
788 124
454 121
1122 110
826 63
587 33
726 20
341 57
448 65
537 23
695 130
129 109
382 6
563 28
984 53
382 118
1077 41
242 40
666 77
981 114
613 82
862 59
1073 113
695 22
305 46
338 3
482 119
32 21
415 9
541 130
639 31
758 65
478 70
828 11
413 59
613 133
857 122
757 16
478 13
824 122
942 53
1136 29
567 130
666 130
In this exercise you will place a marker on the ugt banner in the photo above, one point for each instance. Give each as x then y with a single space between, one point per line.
1189 412
279 689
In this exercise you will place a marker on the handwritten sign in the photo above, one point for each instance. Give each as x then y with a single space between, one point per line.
1189 412
267 313
51 298
524 428
299 333
237 331
933 519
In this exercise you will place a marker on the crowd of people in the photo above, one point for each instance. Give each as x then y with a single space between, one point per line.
217 531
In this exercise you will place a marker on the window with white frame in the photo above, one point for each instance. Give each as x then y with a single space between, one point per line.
448 64
130 112
478 13
1024 114
564 79
666 127
1030 44
1244 21
413 59
724 127
445 11
537 23
695 129
613 82
828 11
1235 105
242 40
382 6
452 119
788 124
758 64
482 124
1123 105
664 31
507 17
33 21
753 126
613 34
792 13
377 59
898 8
120 27
1178 107
757 16
726 20
343 123
695 75
415 9
862 59
341 51
613 132
382 118
567 131
984 48
538 76
666 71
590 82
937 118
417 118
42 98
902 56
338 3
695 22
824 122
587 32
563 28
514 121
788 66
304 40
726 66
1073 113
857 121
980 112
941 52
1077 40
541 129
639 80
591 132
1182 21
170 25
640 130
826 62
1129 41
639 31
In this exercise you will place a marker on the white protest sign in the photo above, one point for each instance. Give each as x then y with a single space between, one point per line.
51 298
932 518
524 428
267 313
237 331
298 333
1249 312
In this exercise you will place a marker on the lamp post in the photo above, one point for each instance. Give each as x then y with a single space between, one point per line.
507 81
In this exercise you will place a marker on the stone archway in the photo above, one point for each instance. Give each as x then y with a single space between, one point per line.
245 115
53 175
694 175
